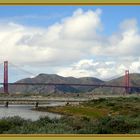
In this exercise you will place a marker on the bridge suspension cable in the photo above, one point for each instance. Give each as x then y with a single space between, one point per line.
126 85
21 69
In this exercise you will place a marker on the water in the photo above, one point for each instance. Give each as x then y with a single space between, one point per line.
24 111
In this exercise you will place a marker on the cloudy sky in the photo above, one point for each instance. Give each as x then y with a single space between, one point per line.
74 41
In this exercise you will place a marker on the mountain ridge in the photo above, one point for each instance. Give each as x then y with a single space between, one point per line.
54 78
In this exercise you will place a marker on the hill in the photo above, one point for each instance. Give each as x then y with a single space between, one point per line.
53 78
134 81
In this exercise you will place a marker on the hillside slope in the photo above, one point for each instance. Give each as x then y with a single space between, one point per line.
134 81
53 78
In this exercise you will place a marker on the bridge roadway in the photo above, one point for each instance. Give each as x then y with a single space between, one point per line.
70 84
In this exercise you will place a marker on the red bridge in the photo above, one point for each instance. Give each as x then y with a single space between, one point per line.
126 85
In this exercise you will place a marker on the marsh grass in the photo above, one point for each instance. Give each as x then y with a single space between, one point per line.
103 116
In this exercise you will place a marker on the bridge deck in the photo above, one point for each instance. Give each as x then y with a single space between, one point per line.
70 84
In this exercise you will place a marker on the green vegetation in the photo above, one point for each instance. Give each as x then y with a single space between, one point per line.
103 116
128 106
70 125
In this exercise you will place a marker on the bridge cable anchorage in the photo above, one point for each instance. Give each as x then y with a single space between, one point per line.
21 69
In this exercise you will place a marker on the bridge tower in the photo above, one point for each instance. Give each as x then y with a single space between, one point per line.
126 80
5 77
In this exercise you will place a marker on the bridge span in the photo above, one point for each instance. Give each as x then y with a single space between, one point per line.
125 84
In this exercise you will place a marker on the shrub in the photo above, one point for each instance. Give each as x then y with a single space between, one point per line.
4 126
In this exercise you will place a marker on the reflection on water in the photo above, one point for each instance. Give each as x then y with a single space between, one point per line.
25 111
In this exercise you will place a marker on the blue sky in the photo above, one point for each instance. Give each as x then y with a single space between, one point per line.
71 40
111 17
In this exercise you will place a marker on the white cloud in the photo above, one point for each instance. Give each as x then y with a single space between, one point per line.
82 25
50 45
74 46
135 66
102 69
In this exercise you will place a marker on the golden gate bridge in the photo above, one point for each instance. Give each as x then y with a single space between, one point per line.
125 86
